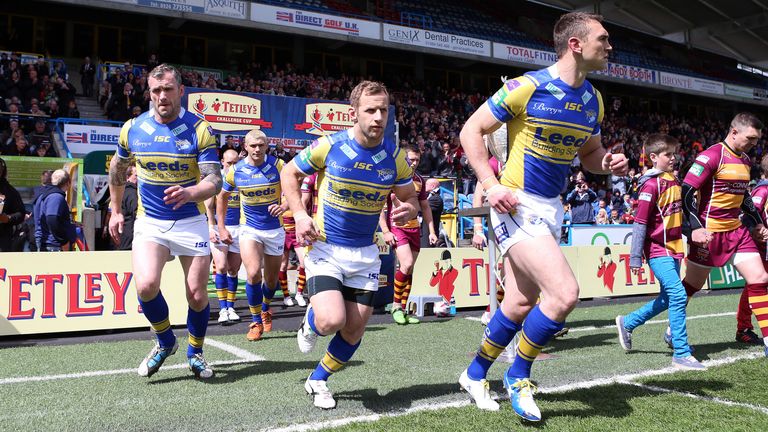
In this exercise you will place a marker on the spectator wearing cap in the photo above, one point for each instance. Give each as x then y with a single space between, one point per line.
53 226
11 210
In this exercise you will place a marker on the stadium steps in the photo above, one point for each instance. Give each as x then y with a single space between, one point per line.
89 108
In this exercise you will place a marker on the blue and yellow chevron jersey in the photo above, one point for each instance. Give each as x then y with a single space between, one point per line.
353 184
547 123
259 188
167 155
233 204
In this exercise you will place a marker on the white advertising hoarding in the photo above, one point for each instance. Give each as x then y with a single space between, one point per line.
83 139
436 40
315 21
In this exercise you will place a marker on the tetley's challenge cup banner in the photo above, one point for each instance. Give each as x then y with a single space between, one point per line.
295 122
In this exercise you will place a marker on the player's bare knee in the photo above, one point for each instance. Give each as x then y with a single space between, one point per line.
329 324
406 268
147 290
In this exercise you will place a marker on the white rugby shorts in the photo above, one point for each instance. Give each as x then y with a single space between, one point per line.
184 237
534 216
355 267
273 240
234 231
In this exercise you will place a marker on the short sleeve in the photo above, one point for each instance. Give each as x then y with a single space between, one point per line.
646 201
229 181
312 158
404 171
510 100
702 169
308 184
600 113
206 143
123 148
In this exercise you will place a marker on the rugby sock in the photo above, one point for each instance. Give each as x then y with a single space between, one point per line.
302 281
690 290
283 278
268 294
758 301
253 292
220 280
197 324
744 312
499 333
231 291
406 292
311 321
156 311
338 354
538 329
401 280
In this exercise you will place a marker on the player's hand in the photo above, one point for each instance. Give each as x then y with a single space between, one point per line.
116 222
432 239
390 239
177 196
615 163
306 231
760 233
701 236
402 212
275 210
224 236
502 199
479 240
213 234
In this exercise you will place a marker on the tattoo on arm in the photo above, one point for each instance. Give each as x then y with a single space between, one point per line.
212 173
118 173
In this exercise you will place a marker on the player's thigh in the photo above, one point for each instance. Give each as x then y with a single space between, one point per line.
148 259
696 274
750 266
196 278
357 318
234 260
327 301
252 253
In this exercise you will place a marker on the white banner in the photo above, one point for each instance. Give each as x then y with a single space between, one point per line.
523 55
436 40
739 91
631 73
197 6
226 8
691 83
599 235
315 21
83 139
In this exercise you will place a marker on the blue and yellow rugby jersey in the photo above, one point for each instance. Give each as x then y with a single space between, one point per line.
353 184
167 155
259 188
233 204
547 123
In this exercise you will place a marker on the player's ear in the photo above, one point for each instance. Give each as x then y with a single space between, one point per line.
181 90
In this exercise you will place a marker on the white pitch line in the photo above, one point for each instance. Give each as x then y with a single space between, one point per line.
457 404
757 408
238 352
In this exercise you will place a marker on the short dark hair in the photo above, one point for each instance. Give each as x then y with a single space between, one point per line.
366 88
160 70
658 142
573 24
746 119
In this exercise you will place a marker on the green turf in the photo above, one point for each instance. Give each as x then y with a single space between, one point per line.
396 368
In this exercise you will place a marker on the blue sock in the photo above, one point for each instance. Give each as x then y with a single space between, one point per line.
338 354
311 321
156 311
197 324
220 280
231 290
253 292
499 333
538 329
268 294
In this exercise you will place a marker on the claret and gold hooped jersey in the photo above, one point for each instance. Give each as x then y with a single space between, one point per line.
548 121
353 183
167 155
259 188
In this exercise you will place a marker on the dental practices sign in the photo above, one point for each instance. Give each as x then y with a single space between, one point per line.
436 40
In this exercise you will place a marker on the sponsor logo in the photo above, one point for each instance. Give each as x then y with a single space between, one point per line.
591 116
363 166
378 157
386 174
401 35
175 166
501 233
183 144
357 195
512 84
645 196
757 200
535 220
558 138
586 97
573 106
697 169
137 143
326 118
77 137
179 129
540 106
702 158
340 168
259 192
556 92
228 111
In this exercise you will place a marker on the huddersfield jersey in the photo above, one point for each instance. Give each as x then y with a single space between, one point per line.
547 123
259 188
760 199
660 208
167 155
421 194
289 223
353 183
722 177
233 205
308 186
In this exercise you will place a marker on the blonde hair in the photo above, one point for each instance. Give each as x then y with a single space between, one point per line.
255 135
366 88
59 177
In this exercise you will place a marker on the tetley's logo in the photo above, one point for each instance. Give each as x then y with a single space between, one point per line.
326 118
228 111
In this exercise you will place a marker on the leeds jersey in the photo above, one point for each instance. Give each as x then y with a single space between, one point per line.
233 204
259 188
167 155
547 123
353 183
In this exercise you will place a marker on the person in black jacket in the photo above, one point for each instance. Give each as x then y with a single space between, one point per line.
11 209
581 199
53 225
130 205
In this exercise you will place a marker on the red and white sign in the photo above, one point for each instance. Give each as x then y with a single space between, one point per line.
228 111
326 118
315 21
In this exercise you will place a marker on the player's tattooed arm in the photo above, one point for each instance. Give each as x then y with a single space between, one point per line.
211 173
118 171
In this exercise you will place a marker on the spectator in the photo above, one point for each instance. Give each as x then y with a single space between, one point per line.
19 146
279 152
130 205
11 210
581 199
40 138
72 111
447 162
628 217
602 217
436 204
614 218
53 110
620 183
122 104
53 226
87 73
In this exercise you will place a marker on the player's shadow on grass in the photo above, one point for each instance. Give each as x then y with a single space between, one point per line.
230 373
399 399
704 351
579 341
590 323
